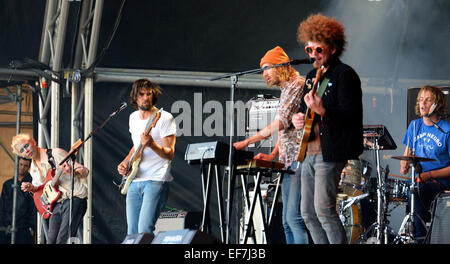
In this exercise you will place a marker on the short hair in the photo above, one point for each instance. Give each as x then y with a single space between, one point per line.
320 28
144 84
20 138
438 97
25 159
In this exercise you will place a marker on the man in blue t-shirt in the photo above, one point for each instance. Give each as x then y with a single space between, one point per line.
428 137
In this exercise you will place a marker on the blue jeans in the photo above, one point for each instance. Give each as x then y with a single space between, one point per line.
318 205
145 201
293 224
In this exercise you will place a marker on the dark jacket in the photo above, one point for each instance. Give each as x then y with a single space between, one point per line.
341 128
26 210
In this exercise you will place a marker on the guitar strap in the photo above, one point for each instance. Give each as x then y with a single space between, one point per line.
51 160
322 87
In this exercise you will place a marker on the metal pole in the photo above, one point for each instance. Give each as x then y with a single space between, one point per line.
16 166
88 117
55 87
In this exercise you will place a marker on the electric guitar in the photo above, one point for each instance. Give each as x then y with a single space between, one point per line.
309 118
133 164
47 194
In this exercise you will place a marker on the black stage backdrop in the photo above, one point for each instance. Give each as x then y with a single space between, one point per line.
387 40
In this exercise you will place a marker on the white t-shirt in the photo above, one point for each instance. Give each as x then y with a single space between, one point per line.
152 166
80 188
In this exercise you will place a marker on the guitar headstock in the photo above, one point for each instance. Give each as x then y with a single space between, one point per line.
157 117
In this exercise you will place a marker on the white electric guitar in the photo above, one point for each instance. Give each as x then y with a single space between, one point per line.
133 164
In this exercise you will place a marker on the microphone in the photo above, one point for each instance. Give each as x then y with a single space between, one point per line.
431 111
122 106
302 61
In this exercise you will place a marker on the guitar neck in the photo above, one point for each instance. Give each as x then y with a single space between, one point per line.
308 112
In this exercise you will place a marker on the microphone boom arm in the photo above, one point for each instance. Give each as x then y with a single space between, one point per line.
74 149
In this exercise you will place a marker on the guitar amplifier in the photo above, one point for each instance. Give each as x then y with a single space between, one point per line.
261 113
440 227
178 220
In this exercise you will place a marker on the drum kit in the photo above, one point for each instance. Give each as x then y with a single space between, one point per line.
359 192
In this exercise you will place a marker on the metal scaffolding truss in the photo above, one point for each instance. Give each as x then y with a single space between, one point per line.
51 53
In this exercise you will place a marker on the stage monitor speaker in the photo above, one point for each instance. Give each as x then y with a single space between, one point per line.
412 98
142 238
175 220
440 227
184 236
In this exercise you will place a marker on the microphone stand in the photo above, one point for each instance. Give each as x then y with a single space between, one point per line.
72 156
234 80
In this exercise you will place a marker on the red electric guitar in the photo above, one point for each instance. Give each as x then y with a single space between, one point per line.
48 193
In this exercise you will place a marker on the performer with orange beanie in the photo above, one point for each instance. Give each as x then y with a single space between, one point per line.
291 84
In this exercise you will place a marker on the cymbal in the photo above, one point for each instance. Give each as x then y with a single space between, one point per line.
413 158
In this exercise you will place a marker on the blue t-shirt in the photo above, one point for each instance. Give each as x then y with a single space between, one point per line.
430 142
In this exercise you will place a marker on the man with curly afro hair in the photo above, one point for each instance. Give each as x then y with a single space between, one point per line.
336 133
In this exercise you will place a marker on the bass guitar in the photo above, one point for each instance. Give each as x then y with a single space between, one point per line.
309 118
133 164
47 194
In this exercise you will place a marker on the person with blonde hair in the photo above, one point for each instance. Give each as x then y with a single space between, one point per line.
25 146
291 85
428 137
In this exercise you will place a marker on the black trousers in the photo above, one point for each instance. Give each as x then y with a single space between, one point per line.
59 221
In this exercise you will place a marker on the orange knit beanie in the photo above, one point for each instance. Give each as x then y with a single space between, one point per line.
274 56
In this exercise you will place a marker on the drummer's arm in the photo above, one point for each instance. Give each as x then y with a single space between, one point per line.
436 174
404 165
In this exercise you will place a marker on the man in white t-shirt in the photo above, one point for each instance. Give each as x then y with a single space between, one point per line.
148 192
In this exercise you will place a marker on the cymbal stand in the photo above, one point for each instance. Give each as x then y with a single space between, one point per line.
406 230
380 225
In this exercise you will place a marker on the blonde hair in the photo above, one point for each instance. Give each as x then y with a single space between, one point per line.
18 139
438 97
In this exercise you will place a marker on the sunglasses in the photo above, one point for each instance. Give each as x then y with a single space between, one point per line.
24 148
310 49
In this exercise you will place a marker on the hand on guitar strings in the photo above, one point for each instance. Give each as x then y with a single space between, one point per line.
146 140
315 103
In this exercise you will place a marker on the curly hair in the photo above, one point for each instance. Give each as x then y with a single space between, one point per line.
320 28
438 98
144 84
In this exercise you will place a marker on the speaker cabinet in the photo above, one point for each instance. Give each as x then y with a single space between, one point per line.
178 220
440 227
412 98
184 236
143 238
